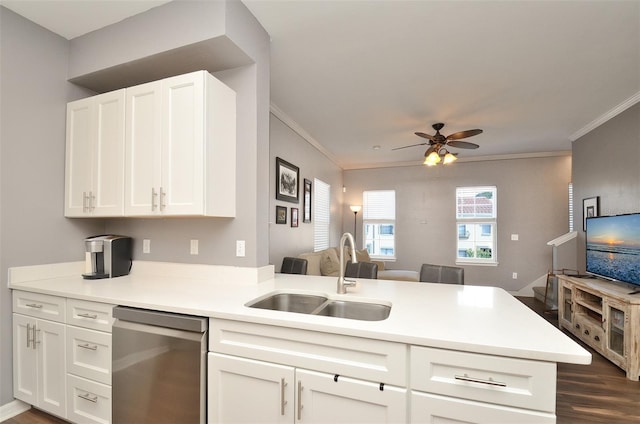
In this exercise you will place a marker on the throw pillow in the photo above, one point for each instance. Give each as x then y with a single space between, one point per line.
330 263
363 255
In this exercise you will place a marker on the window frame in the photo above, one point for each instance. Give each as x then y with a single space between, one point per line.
475 226
320 224
379 222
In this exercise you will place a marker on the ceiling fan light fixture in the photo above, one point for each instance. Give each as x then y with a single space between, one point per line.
449 158
432 158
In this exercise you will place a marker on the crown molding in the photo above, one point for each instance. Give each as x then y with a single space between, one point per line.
606 116
289 122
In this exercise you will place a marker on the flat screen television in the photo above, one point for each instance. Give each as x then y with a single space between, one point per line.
613 247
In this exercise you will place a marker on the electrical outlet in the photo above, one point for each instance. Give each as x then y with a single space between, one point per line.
146 246
240 248
514 237
194 247
515 276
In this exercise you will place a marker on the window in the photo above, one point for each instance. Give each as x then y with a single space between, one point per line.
321 214
570 207
476 224
379 219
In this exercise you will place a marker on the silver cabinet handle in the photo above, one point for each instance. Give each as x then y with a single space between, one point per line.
34 305
88 346
28 335
283 402
154 195
92 203
35 340
163 195
86 315
490 381
84 201
89 397
299 400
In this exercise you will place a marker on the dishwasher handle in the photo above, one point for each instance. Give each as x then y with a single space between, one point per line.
161 319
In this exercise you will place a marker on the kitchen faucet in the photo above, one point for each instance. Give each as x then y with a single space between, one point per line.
342 283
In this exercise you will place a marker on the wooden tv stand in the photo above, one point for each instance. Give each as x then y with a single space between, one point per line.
603 315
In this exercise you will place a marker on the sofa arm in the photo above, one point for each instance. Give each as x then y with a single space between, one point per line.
380 265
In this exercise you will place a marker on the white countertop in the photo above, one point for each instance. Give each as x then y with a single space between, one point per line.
467 318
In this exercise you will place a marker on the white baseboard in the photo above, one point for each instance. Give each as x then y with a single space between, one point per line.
12 409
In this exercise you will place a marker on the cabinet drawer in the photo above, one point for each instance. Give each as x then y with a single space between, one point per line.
95 315
88 401
590 333
89 354
372 360
485 378
39 305
427 408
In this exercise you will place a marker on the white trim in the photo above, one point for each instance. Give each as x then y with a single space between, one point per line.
606 116
13 408
289 122
460 160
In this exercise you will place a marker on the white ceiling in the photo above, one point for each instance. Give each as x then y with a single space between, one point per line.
352 75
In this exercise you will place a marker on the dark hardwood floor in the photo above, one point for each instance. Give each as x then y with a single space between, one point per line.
596 393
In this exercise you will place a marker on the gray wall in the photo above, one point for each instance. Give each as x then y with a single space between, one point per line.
606 164
288 145
32 139
532 202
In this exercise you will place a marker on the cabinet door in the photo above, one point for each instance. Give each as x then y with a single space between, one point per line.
25 375
183 152
246 391
79 153
107 193
428 408
323 398
50 344
143 149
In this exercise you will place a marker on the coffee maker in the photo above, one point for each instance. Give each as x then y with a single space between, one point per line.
107 256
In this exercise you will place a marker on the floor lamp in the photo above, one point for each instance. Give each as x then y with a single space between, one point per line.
355 209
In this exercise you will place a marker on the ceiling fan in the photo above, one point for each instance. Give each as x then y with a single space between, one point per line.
438 144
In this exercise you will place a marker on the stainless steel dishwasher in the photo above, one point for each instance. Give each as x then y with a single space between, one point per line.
159 367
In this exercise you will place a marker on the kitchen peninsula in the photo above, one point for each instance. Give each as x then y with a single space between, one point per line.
467 353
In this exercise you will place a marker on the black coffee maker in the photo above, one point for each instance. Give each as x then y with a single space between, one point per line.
107 256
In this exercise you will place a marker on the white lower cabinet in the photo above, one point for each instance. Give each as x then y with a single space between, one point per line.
88 401
39 351
464 387
89 349
243 390
39 365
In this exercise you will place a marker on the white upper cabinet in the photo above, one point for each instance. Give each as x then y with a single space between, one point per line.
95 156
165 148
180 147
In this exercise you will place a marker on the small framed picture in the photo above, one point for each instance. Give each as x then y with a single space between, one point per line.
591 208
287 181
294 217
306 200
281 214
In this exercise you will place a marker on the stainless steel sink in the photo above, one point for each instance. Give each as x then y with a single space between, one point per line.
322 306
355 310
290 302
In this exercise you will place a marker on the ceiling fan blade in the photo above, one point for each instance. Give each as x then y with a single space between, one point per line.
427 136
464 134
412 145
462 144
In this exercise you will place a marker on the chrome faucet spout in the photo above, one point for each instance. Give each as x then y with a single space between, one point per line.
342 283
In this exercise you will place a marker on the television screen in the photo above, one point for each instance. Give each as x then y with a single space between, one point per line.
613 247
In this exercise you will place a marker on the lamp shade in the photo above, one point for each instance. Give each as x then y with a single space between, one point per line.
355 208
448 158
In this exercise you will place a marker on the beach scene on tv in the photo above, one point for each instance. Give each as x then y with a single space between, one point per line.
613 247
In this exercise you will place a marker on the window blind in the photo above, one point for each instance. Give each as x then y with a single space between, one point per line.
379 205
321 214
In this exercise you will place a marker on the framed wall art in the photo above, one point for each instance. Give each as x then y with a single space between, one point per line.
281 214
294 217
287 181
591 208
306 201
